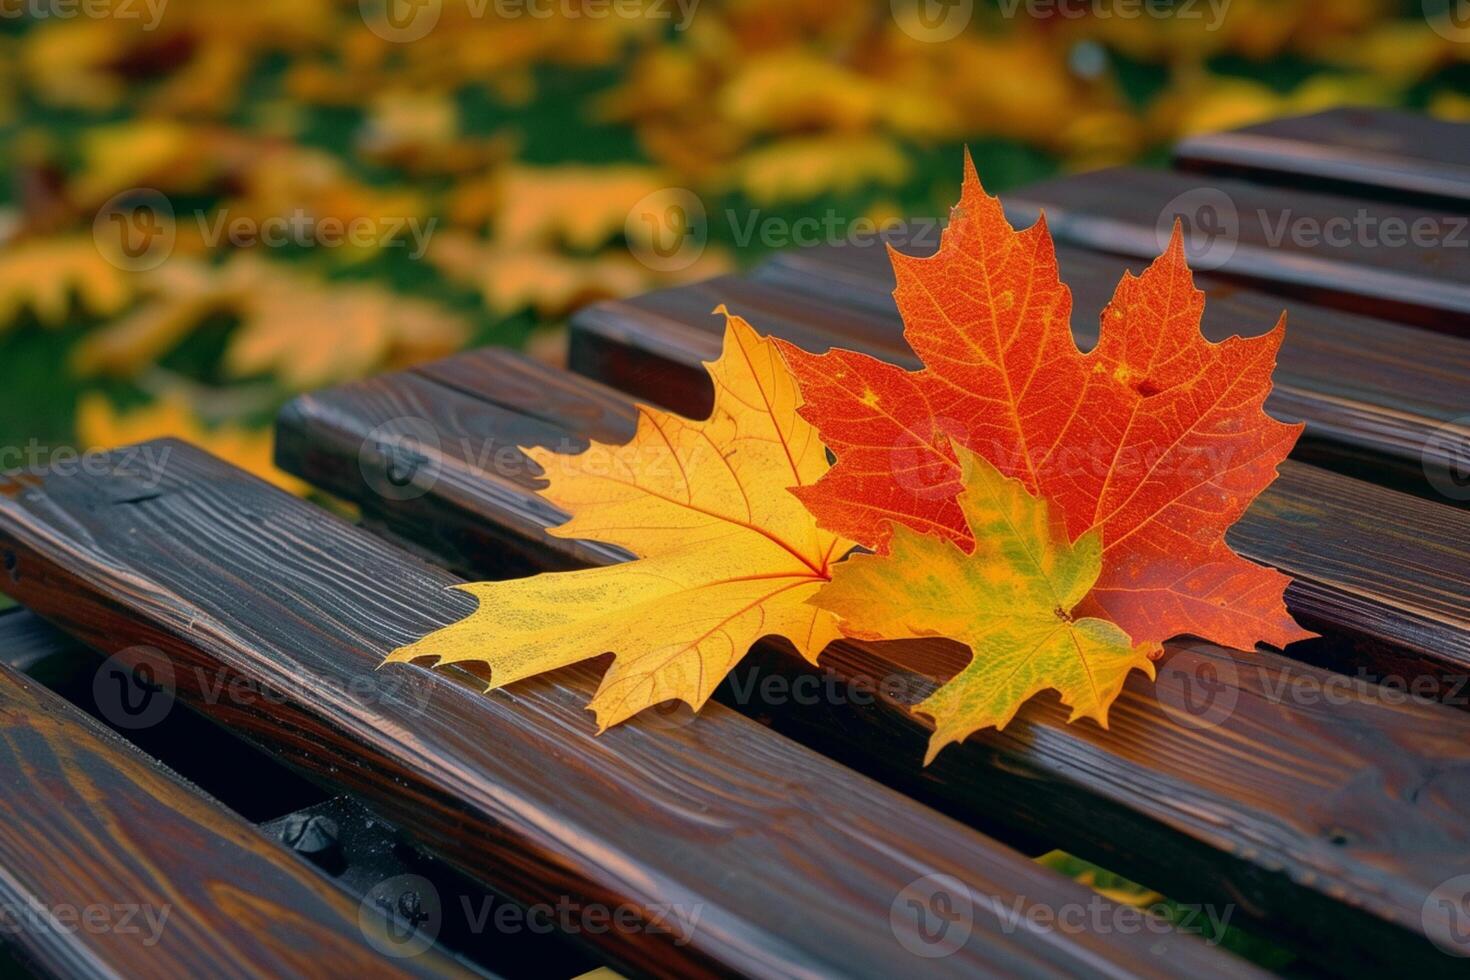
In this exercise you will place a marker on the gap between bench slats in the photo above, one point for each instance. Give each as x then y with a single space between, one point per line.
1298 812
792 863
96 832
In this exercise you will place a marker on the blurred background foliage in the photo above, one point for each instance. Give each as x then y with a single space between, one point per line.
502 163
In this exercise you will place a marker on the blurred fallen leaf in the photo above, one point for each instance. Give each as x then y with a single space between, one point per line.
43 275
304 331
100 426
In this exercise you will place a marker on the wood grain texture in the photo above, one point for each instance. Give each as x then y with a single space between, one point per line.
143 875
1327 826
1370 152
1339 251
791 862
1380 403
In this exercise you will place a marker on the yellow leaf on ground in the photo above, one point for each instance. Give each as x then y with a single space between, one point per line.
803 168
582 207
305 331
726 555
44 274
101 427
1010 602
554 284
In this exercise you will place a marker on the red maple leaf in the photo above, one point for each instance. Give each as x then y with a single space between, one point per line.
1156 436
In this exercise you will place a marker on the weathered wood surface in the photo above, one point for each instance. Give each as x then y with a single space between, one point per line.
1371 152
1408 263
112 866
1326 824
793 864
1379 402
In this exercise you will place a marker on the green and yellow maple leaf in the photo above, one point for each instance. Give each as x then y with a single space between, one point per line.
1010 601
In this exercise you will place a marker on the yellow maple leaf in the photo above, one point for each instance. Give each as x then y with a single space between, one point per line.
801 168
582 207
725 554
43 274
306 332
1010 602
514 279
102 427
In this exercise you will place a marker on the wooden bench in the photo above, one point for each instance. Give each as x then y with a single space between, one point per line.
1318 795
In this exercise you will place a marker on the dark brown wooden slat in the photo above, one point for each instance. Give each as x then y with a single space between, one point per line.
792 863
1379 271
1379 403
1298 812
1373 152
147 876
